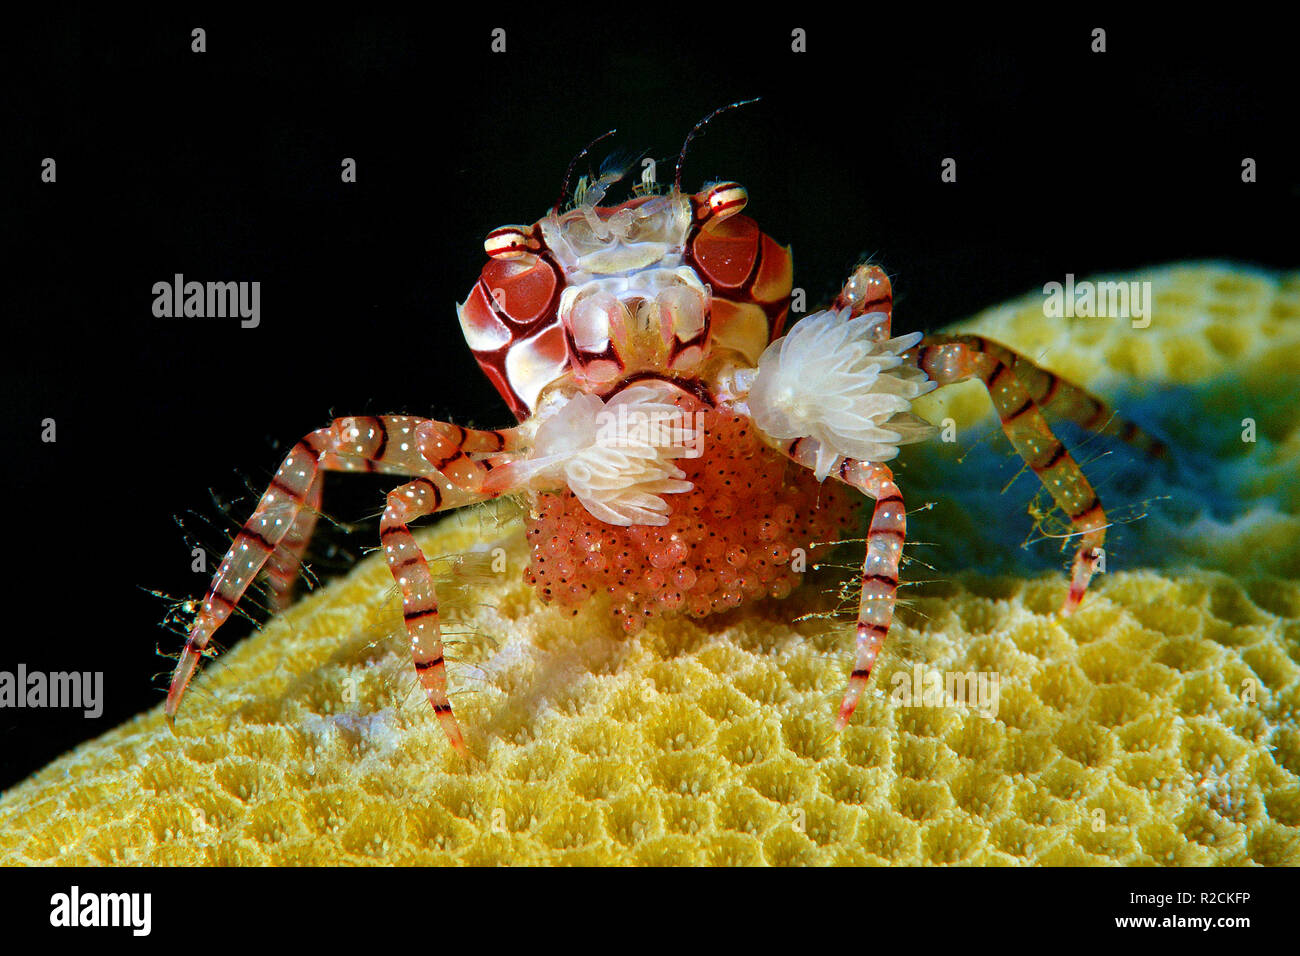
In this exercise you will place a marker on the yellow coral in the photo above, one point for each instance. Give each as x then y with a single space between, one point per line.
1157 725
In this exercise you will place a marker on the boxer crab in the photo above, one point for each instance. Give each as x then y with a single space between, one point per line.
642 348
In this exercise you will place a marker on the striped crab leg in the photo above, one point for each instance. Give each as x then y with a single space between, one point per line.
869 290
1018 388
1058 397
391 444
885 537
420 617
283 565
949 359
448 449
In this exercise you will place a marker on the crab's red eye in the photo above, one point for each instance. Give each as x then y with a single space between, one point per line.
509 242
726 199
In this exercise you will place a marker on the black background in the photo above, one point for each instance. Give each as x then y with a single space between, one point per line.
225 166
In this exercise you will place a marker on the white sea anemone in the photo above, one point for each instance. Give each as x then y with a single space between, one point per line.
619 471
828 379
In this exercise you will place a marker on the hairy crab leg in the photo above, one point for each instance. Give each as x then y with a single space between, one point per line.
1057 396
447 448
1020 390
388 444
885 537
283 564
869 290
407 563
955 359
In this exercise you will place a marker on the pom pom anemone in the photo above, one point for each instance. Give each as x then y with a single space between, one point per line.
829 379
614 456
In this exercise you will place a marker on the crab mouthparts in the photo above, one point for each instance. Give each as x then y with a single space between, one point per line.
611 334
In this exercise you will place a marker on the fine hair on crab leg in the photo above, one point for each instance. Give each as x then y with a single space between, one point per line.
885 537
282 567
955 359
1062 399
387 444
869 290
406 561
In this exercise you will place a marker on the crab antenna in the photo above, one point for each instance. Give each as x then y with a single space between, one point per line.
681 158
564 188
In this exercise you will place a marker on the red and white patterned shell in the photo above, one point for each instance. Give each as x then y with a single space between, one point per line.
655 285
